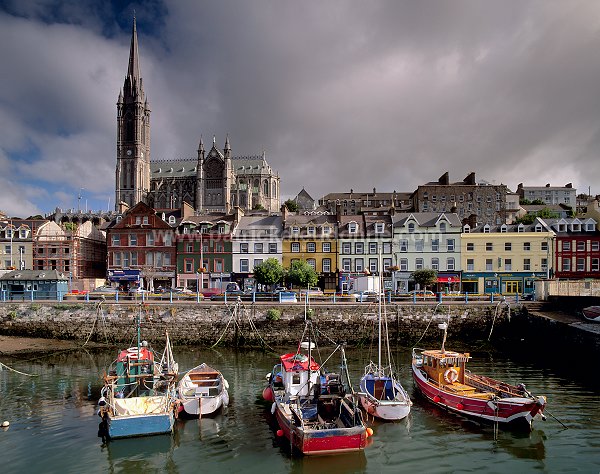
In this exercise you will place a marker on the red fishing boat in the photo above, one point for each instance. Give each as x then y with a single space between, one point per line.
312 409
442 377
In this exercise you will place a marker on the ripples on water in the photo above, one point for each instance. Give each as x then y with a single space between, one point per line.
54 425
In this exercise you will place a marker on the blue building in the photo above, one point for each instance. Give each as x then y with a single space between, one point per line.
33 285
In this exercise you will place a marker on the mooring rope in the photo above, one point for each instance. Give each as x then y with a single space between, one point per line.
16 371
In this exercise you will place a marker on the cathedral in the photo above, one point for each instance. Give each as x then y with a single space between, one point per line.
214 181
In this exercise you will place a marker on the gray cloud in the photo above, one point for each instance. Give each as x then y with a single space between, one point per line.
340 94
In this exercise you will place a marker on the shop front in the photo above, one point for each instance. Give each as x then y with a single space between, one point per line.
125 279
448 282
516 283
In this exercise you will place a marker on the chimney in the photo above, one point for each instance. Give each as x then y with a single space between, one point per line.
569 185
444 179
238 212
470 179
548 185
284 212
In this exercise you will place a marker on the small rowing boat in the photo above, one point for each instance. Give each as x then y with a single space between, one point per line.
203 391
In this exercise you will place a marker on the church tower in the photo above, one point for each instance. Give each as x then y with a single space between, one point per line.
133 135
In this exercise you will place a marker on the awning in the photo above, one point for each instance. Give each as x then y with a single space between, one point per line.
448 279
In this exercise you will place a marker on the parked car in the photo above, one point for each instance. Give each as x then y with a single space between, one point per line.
422 293
181 289
365 296
278 289
138 290
103 291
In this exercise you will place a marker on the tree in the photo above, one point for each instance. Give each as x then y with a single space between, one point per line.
268 272
258 207
544 213
301 274
425 278
291 205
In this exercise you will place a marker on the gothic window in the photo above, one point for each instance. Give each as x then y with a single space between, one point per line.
128 128
266 188
274 188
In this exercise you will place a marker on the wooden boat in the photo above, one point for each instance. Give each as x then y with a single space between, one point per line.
138 396
381 394
311 407
592 313
202 391
441 376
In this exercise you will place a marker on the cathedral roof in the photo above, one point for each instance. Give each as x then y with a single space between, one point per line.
186 167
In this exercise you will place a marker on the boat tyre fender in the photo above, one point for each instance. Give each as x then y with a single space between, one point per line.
451 375
132 352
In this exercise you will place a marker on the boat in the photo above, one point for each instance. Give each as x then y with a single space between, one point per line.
442 378
311 407
381 394
138 397
202 391
592 313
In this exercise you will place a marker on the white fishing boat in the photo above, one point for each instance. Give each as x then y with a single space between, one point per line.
592 313
381 394
203 391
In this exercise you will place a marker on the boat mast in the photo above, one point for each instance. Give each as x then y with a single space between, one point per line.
139 331
379 293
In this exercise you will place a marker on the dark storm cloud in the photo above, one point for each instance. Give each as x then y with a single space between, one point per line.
340 94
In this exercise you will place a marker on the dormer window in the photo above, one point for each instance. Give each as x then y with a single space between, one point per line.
295 230
467 229
221 228
145 220
589 227
521 228
138 220
411 227
119 218
442 227
311 230
23 233
326 230
576 227
379 227
562 227
486 229
538 227
171 220
503 228
352 227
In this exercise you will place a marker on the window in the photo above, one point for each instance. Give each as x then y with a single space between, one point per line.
188 265
544 264
411 227
125 259
435 245
138 220
419 245
387 247
273 247
295 247
372 248
450 263
566 245
566 265
359 265
311 230
311 247
171 220
387 263
145 220
526 264
470 264
442 227
359 248
346 265
403 264
326 247
595 264
595 246
508 264
326 265
295 230
404 246
116 240
373 264
580 246
244 267
527 246
489 265
419 264
489 246
346 248
435 263
132 240
486 229
312 263
168 239
503 228
326 230
581 264
244 247
544 246
450 245
352 227
189 247
117 259
470 246
258 247
507 246
379 228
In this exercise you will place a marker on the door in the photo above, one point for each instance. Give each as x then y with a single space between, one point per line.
513 287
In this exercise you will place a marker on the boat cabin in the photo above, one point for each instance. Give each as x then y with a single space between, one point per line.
295 374
444 367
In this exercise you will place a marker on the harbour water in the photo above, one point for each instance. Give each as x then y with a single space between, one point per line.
53 423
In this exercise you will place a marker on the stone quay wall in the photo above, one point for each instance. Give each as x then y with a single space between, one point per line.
256 325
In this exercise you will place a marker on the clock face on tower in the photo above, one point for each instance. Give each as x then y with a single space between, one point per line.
129 152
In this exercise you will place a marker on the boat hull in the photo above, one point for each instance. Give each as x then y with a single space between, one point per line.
321 441
205 406
395 404
202 391
511 411
128 426
592 313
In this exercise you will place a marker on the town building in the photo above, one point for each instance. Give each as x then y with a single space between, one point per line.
204 257
30 285
566 194
255 239
353 203
576 248
141 249
426 240
77 250
474 203
215 181
505 259
16 242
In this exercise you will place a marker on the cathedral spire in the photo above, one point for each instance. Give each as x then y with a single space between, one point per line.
227 145
133 71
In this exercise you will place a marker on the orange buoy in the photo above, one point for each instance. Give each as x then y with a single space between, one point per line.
437 399
460 406
369 432
268 394
279 433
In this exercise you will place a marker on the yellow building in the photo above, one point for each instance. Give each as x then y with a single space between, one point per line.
312 238
505 259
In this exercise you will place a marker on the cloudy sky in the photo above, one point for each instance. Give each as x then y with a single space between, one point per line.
340 94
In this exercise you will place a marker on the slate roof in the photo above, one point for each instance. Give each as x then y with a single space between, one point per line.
34 275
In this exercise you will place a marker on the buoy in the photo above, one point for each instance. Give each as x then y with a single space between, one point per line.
369 432
268 394
437 399
180 408
280 433
460 406
5 424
